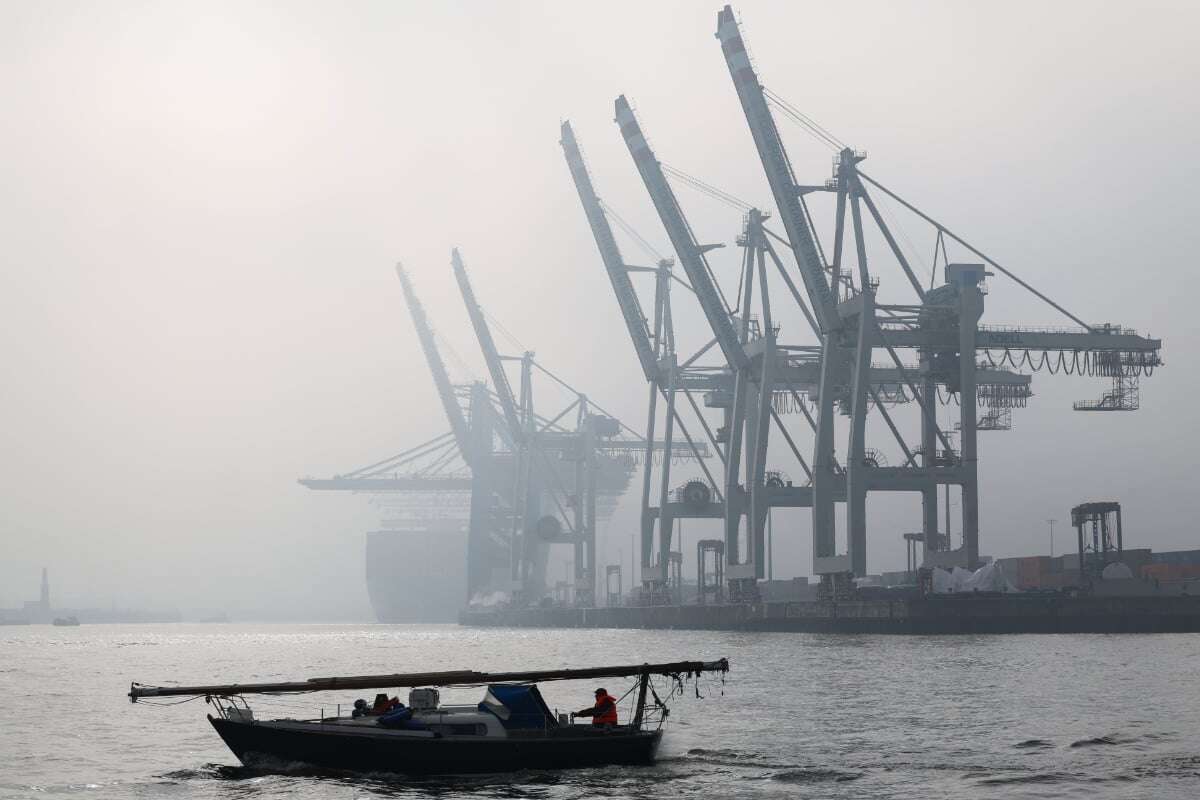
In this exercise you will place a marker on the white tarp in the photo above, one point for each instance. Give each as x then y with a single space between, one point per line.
943 581
988 578
489 599
1117 571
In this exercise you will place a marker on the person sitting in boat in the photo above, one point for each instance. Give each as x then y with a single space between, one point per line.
383 704
605 710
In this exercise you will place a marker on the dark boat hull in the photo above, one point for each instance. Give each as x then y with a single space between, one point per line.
262 743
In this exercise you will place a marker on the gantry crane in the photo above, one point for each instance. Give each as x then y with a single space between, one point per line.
794 370
655 348
849 325
513 461
942 326
464 461
592 431
754 358
749 410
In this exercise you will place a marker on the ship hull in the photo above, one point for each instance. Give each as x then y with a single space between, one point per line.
416 576
280 744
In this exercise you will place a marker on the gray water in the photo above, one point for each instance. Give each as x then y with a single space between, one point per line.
798 716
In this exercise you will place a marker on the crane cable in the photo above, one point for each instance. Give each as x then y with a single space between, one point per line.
962 242
504 331
722 196
707 188
458 361
815 129
625 226
913 253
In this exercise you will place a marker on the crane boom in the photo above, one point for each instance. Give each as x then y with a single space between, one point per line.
631 309
682 239
437 367
487 344
778 170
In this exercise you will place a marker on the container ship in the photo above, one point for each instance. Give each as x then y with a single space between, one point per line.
401 586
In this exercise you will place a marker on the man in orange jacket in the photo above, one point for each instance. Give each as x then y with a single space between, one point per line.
605 710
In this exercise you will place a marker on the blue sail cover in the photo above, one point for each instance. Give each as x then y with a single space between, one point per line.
519 706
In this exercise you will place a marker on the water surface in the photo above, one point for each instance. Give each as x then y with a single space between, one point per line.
800 715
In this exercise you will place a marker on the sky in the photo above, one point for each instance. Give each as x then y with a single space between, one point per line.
202 204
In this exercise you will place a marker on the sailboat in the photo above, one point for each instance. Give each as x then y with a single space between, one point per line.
510 729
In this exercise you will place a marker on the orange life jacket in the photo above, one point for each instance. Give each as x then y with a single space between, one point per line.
606 710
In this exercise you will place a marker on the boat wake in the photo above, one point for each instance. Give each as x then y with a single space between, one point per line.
780 772
223 772
1100 741
1034 744
816 775
731 758
1028 778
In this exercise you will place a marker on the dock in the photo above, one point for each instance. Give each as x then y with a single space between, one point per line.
962 614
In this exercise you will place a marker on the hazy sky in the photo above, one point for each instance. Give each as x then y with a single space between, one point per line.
202 202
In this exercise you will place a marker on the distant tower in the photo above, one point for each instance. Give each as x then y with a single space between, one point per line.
45 601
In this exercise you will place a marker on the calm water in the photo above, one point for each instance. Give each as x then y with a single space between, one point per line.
799 716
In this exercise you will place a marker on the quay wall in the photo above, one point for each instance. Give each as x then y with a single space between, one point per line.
963 614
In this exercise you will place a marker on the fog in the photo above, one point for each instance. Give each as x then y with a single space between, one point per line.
202 204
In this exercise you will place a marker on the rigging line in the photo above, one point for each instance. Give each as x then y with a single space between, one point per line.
707 188
807 129
435 455
505 331
977 252
175 703
407 453
392 465
455 357
442 463
824 131
818 132
625 226
940 242
913 252
557 379
703 258
801 120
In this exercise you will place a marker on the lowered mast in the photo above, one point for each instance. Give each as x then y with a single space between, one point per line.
464 677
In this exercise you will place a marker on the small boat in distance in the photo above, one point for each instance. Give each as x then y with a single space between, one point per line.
66 622
510 729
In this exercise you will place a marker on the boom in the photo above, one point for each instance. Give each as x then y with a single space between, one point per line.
631 309
441 378
463 677
487 344
778 170
683 240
